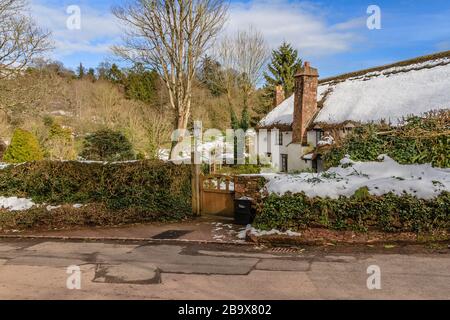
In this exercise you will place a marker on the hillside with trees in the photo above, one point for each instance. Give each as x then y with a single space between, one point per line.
149 93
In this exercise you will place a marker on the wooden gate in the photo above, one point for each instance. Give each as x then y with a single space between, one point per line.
217 195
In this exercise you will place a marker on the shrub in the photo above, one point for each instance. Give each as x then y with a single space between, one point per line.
142 190
107 145
67 216
24 147
418 140
361 212
59 143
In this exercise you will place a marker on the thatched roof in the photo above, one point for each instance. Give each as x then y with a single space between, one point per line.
385 93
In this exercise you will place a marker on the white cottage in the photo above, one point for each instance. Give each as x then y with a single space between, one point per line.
383 94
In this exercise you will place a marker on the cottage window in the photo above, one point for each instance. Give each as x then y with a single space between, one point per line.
319 135
280 138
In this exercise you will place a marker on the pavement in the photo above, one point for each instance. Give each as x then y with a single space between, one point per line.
48 269
202 229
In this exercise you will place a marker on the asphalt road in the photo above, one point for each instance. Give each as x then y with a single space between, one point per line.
38 269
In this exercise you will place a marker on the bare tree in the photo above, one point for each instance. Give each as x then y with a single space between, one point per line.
170 36
243 58
20 39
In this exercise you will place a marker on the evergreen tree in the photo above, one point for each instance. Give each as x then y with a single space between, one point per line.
209 75
24 147
245 119
141 84
91 74
115 75
282 67
107 145
81 71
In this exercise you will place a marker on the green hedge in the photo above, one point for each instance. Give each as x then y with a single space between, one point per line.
67 217
151 186
361 212
419 140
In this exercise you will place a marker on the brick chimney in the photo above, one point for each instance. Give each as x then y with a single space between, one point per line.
305 101
279 96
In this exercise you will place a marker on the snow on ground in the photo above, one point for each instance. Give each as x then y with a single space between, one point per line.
163 154
51 208
422 181
16 204
242 234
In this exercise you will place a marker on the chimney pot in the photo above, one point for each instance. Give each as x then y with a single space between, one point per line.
279 96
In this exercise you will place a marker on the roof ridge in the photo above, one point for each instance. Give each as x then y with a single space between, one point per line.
420 59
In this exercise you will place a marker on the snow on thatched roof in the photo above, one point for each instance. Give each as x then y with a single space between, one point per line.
388 93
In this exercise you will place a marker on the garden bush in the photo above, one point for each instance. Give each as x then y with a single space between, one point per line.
24 147
66 217
145 188
361 212
107 145
59 143
418 140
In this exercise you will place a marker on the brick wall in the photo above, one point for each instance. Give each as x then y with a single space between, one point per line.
249 186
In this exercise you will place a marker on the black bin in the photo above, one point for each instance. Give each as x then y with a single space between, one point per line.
243 212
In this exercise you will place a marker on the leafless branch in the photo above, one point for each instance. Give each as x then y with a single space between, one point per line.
170 36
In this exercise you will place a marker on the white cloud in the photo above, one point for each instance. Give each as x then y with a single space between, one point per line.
302 24
98 29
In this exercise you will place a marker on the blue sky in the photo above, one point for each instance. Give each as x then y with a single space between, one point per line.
332 34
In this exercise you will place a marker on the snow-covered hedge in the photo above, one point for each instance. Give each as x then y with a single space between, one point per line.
383 195
380 177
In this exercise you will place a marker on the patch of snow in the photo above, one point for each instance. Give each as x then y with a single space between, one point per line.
283 114
50 208
3 165
308 156
163 154
326 141
16 204
243 233
422 181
